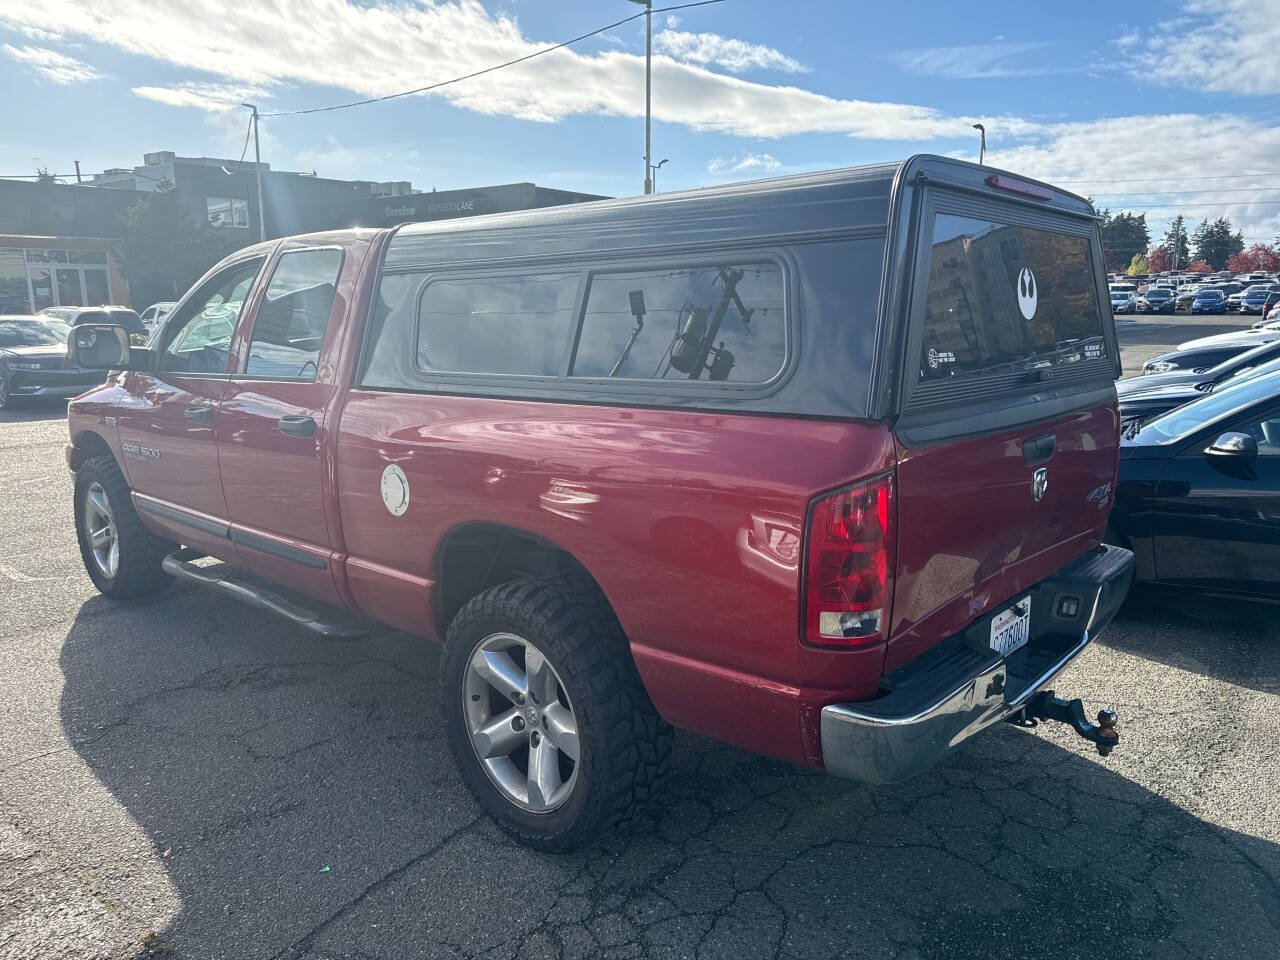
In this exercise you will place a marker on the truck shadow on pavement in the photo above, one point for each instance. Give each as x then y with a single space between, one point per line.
301 801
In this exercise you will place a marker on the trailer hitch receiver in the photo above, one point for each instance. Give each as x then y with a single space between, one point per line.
1045 706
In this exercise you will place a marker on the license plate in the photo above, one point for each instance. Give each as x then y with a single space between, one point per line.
1011 629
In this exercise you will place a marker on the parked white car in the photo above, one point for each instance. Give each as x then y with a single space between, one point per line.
152 316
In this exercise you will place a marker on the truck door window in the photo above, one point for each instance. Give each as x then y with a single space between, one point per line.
289 329
199 337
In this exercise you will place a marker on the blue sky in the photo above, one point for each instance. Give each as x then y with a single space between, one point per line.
1159 106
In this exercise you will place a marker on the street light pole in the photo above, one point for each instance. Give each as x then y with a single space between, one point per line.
982 149
654 173
648 92
257 168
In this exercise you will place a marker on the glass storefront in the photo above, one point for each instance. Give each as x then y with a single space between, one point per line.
34 278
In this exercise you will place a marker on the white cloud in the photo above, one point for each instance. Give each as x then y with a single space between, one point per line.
736 56
51 65
1225 46
744 163
975 60
39 33
372 49
210 97
1152 163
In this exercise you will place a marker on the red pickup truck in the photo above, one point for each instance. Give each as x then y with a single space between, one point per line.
816 466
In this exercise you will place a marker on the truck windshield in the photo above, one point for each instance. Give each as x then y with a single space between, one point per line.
1004 297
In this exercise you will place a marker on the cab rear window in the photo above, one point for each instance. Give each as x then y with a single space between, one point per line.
1004 298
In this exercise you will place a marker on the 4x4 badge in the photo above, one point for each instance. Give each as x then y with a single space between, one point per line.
1039 483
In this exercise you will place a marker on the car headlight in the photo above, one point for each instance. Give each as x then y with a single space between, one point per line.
1160 366
24 365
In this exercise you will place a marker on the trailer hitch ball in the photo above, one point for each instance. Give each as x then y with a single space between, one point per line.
1045 706
1107 735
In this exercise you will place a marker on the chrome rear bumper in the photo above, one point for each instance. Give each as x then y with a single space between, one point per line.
961 687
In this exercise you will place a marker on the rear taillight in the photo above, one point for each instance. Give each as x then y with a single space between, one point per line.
849 565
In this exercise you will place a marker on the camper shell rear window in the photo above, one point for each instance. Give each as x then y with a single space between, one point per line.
1007 298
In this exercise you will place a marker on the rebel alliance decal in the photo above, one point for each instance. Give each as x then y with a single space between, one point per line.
395 490
1027 293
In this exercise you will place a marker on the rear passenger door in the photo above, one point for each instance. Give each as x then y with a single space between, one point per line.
272 423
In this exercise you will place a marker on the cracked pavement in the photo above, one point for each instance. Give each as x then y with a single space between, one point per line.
187 777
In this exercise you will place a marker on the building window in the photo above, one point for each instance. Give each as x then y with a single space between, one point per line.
228 211
15 296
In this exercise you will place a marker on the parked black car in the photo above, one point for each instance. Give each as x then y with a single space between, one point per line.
1198 493
33 361
1218 373
1141 407
1156 300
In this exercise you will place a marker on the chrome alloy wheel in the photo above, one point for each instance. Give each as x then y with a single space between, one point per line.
521 722
100 530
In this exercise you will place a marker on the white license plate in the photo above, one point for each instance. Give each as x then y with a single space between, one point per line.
1011 629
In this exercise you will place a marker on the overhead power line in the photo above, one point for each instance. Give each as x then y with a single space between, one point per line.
247 130
1186 193
1174 205
496 66
1225 176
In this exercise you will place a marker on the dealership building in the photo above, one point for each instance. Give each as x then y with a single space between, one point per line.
63 244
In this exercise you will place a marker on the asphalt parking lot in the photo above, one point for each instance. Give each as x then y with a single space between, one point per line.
182 777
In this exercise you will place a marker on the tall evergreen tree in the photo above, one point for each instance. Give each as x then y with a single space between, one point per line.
1124 235
1175 244
1215 243
168 247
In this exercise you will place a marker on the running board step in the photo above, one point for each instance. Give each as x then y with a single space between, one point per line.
334 624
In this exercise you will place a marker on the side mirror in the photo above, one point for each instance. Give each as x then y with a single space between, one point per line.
104 346
1234 446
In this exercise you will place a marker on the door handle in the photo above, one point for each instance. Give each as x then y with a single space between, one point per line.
297 426
199 414
1037 450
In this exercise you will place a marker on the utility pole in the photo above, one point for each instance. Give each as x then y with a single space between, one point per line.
78 180
648 92
982 148
257 167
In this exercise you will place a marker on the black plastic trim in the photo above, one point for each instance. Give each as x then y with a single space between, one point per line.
225 530
242 538
178 515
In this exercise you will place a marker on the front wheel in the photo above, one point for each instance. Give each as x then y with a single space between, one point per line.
122 557
547 719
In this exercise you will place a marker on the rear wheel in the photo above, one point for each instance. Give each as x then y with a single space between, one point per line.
547 719
6 401
121 556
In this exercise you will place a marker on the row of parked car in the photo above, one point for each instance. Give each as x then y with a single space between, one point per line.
1166 296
